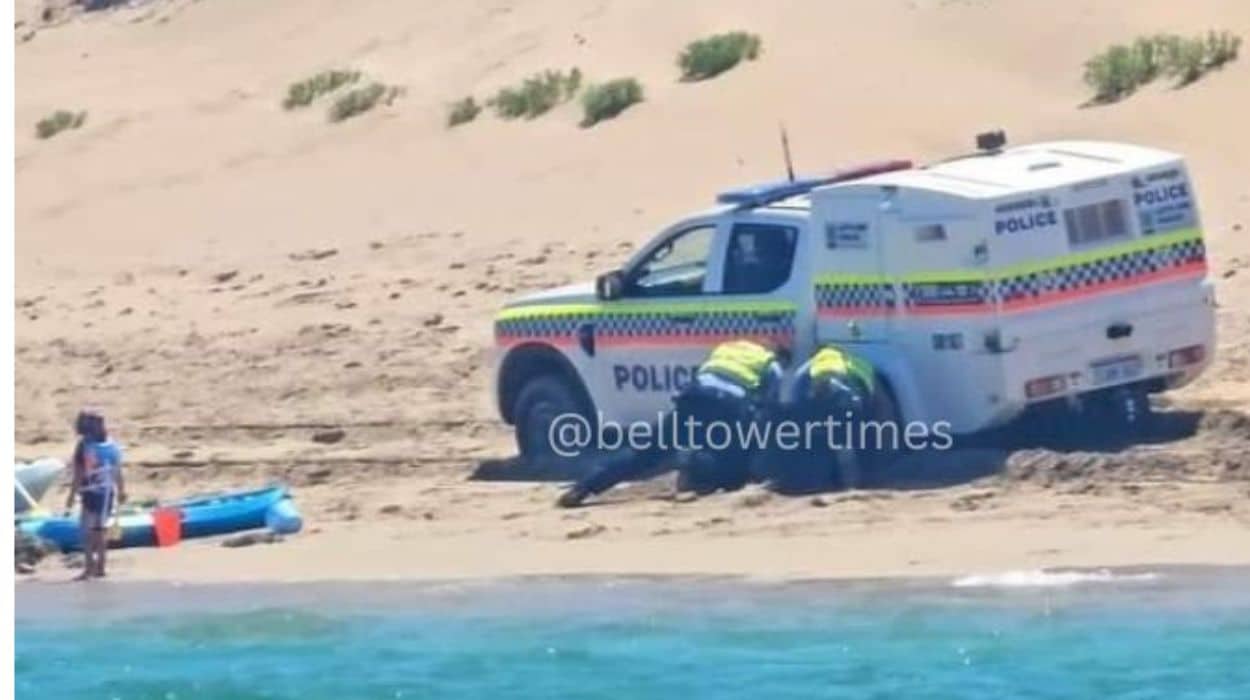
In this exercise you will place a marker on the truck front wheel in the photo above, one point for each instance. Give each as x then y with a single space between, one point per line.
538 406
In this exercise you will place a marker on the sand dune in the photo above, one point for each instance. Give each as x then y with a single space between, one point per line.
225 277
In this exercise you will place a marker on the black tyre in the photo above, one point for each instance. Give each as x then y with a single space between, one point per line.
804 472
538 405
1124 413
856 469
704 472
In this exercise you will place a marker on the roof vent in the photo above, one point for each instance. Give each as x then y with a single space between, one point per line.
991 141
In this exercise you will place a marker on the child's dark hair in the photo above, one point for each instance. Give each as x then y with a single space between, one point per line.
90 426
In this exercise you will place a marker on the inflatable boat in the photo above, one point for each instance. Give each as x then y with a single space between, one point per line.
32 480
203 516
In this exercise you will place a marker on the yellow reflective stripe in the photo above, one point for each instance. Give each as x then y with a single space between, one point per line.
544 311
740 360
852 279
715 305
864 371
710 306
1144 244
733 373
947 276
835 361
828 361
642 308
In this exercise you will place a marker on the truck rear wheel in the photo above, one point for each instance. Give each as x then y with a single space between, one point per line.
538 406
1125 411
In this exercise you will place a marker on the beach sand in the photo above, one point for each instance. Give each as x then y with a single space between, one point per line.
232 283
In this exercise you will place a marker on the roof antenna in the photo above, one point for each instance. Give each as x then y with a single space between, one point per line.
785 148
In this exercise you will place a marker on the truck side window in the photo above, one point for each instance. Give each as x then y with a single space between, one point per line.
676 268
759 258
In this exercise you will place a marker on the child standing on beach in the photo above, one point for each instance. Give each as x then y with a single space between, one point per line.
98 480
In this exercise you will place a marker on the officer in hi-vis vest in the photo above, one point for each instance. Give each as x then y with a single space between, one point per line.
833 385
703 433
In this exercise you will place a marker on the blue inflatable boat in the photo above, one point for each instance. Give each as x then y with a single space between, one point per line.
203 516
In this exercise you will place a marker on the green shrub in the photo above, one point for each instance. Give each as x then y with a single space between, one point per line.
537 94
59 121
362 99
609 99
303 93
1188 61
1120 69
1222 48
711 56
1146 58
462 111
1113 73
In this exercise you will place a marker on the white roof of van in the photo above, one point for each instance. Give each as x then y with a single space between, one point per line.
1024 168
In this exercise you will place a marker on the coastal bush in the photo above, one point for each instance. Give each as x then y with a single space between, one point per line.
303 93
537 94
713 55
1120 69
59 121
360 100
609 99
1222 47
1188 60
1112 73
463 111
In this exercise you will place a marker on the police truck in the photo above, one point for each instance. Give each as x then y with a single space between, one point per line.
1071 272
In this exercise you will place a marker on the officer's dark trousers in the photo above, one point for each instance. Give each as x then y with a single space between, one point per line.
827 461
705 468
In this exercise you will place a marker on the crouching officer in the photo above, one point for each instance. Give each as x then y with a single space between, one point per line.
731 388
834 391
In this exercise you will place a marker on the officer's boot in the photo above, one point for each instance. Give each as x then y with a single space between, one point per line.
574 497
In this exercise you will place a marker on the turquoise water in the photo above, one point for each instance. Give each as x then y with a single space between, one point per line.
1147 637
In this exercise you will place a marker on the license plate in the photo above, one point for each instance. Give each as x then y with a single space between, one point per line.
1116 369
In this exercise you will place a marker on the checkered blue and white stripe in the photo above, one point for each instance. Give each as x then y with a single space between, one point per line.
850 296
662 323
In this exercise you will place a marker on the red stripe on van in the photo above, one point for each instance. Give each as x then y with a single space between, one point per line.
949 309
1193 269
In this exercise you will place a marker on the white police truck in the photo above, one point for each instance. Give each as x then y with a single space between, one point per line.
978 286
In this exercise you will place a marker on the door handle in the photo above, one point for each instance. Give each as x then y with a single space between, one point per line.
586 338
1119 330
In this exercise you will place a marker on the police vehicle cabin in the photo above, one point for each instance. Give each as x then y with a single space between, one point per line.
976 286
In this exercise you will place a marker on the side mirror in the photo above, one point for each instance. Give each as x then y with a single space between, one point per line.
610 285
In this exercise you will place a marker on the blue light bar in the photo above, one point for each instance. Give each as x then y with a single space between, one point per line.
766 193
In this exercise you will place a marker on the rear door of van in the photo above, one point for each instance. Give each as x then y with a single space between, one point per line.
1100 284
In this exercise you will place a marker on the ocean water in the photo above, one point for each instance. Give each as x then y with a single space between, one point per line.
1017 635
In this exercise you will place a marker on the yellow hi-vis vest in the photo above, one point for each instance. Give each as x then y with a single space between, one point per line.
739 361
834 362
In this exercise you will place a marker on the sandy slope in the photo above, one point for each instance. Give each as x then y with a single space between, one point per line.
164 266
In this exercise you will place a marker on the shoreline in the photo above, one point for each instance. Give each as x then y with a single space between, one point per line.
48 602
400 551
442 528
